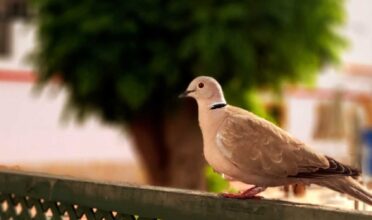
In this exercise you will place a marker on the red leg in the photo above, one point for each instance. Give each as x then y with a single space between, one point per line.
250 193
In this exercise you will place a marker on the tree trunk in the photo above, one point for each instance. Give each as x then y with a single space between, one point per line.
170 147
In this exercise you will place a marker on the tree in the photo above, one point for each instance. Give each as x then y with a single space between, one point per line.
126 61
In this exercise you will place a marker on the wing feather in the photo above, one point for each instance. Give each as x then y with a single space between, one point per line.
259 147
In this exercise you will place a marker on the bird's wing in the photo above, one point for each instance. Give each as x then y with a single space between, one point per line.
259 147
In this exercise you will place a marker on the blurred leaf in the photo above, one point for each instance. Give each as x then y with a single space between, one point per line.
215 182
256 106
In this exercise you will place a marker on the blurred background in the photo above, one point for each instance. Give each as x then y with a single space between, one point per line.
89 88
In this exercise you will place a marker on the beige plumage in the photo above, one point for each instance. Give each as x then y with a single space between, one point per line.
249 149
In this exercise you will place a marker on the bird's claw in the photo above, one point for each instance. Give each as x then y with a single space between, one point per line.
247 194
240 196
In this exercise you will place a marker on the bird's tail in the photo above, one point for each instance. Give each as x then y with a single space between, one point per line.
349 186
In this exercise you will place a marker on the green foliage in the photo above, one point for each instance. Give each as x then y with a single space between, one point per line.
215 182
256 105
122 58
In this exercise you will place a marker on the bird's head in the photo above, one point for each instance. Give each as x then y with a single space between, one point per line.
205 89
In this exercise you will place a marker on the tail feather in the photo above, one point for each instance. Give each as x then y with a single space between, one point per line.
349 186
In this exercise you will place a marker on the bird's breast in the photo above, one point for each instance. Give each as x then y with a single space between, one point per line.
217 160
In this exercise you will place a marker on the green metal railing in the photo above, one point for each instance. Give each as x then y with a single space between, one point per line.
26 195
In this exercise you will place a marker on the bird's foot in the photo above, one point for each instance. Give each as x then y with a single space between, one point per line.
250 193
239 196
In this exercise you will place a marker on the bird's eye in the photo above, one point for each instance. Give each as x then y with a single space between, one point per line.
201 85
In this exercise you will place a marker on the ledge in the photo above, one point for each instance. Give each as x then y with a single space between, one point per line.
160 202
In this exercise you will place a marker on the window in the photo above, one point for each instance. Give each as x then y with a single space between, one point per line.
9 10
4 37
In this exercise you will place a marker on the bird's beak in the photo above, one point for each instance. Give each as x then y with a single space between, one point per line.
186 93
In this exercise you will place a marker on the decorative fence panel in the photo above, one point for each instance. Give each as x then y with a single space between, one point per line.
25 195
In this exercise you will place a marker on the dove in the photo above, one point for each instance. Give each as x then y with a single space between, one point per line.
246 148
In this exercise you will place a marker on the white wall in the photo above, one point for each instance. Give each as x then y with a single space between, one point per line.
31 130
359 31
